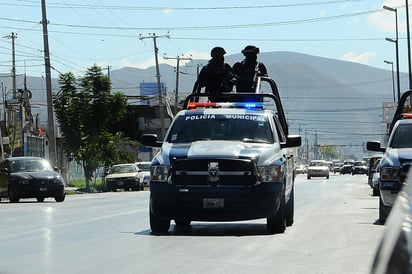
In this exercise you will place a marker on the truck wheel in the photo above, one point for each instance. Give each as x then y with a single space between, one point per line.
277 224
158 225
375 191
60 199
383 211
290 208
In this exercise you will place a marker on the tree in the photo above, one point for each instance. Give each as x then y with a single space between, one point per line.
87 113
329 152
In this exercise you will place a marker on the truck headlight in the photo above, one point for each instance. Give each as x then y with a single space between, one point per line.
390 173
159 173
270 173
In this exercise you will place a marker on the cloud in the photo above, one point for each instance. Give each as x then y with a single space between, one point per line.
385 20
168 10
358 58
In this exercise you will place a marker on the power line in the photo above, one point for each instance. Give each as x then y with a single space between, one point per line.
213 27
31 3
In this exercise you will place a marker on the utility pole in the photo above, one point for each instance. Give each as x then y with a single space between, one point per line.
50 112
198 69
13 36
177 73
108 71
159 87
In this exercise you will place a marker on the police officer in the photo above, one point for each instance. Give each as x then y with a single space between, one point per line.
247 70
217 76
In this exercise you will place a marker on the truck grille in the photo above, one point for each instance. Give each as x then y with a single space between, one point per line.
221 172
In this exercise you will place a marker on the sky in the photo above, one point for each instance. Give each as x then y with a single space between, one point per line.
117 34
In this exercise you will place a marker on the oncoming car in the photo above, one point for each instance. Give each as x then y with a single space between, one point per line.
30 177
359 167
123 176
143 173
317 168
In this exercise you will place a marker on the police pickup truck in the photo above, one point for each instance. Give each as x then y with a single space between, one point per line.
397 157
230 160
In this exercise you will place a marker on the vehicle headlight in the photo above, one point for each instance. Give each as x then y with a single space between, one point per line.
390 173
270 173
59 180
159 173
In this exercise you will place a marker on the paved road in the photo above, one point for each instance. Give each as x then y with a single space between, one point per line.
335 231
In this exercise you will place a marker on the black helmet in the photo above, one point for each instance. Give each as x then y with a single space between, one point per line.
250 49
217 52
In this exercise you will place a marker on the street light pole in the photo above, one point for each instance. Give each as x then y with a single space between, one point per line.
409 44
396 41
393 81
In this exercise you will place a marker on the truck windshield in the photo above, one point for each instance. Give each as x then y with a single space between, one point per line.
402 137
245 128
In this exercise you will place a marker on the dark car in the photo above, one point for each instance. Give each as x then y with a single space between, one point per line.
359 167
376 178
394 253
30 177
347 167
372 166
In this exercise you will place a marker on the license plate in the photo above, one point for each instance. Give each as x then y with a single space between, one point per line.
213 203
120 183
43 188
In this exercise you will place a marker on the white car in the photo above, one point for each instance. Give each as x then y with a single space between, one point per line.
143 174
123 176
318 168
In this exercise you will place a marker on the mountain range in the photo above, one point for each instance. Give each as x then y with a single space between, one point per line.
327 101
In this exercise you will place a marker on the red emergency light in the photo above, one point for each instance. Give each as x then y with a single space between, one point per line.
246 105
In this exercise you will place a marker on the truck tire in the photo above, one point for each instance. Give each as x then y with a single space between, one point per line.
60 198
277 223
290 208
158 225
383 211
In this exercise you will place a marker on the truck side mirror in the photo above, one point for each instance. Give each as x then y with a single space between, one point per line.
150 140
375 146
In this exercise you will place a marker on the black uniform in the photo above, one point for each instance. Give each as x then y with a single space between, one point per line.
217 76
247 70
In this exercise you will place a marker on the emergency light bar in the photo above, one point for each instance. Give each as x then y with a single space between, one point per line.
247 105
407 115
